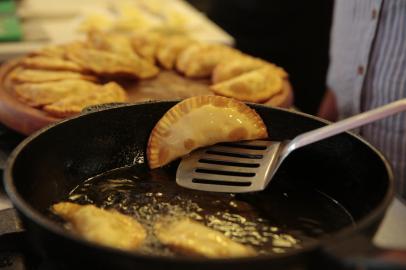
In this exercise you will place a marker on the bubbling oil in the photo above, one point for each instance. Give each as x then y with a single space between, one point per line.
261 220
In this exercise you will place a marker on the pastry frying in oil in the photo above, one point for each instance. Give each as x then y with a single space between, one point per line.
201 121
105 227
255 86
74 104
189 237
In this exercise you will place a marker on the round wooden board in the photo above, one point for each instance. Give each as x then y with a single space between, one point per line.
167 85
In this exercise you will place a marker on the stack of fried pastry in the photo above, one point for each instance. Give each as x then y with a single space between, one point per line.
63 79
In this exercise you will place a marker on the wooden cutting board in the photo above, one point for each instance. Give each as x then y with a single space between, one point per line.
168 85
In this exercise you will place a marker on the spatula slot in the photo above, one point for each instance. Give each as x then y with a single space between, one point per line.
244 146
239 155
219 182
229 163
230 173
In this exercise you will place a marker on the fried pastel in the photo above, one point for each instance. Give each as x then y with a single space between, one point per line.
115 43
74 104
255 86
59 51
22 75
112 64
199 60
39 94
201 121
168 52
105 227
51 63
234 67
146 44
189 237
56 51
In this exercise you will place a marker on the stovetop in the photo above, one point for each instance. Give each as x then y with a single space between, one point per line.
14 260
8 140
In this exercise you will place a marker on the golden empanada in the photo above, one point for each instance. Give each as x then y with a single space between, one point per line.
21 75
105 227
146 44
255 86
236 66
112 64
59 51
168 51
56 51
189 237
199 60
115 43
51 63
201 121
38 94
74 104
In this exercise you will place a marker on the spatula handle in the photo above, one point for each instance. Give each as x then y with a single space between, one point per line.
345 125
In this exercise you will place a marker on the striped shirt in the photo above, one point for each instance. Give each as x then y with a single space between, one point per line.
368 70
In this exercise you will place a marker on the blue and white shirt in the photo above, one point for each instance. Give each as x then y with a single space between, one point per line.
368 70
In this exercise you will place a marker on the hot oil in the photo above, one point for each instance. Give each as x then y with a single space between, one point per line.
271 222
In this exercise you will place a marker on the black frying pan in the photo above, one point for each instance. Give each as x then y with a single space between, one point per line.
354 177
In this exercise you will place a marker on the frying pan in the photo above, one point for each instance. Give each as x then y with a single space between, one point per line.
45 167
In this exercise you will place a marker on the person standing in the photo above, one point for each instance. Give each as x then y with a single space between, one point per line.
367 70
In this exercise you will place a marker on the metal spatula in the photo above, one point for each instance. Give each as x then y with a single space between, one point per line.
249 166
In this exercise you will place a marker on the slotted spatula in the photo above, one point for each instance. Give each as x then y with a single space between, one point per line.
249 166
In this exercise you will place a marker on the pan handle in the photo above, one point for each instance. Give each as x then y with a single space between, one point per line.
345 125
360 253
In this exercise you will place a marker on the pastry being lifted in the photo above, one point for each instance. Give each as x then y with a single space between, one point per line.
201 121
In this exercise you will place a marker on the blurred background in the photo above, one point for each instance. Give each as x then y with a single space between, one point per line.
291 34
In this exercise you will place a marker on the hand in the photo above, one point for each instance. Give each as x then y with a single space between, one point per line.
328 107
